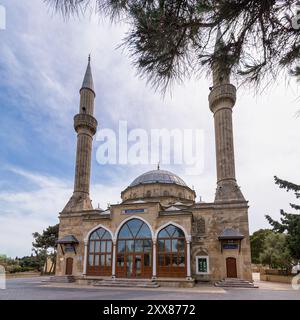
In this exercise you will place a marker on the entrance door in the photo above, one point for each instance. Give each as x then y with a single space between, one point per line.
231 268
134 250
69 266
133 265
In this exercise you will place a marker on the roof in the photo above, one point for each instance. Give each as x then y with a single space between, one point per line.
158 176
231 234
88 82
67 240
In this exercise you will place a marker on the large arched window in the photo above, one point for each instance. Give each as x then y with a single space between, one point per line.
99 253
134 250
171 252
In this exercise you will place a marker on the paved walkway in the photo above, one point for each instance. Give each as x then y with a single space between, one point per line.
34 288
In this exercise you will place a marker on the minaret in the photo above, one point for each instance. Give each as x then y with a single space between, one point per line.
222 99
86 126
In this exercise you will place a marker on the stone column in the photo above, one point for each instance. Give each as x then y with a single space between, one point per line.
154 262
85 257
114 253
188 260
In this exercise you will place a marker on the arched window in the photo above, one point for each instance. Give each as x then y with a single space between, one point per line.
99 253
148 194
134 250
171 252
166 193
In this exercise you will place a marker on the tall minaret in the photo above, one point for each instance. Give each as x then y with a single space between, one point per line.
86 126
222 99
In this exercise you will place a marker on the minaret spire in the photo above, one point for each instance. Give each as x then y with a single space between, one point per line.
88 82
86 126
222 99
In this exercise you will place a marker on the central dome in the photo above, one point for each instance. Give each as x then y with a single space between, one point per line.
158 176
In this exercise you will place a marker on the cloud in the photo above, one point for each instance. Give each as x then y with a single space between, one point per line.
24 212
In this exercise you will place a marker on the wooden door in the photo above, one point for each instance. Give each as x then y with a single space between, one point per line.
69 266
231 268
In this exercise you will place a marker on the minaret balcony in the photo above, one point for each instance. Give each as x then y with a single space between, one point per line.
220 93
82 120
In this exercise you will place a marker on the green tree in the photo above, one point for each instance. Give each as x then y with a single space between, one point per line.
170 40
44 245
257 242
275 252
289 222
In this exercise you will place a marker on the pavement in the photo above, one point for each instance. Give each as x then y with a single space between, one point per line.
36 289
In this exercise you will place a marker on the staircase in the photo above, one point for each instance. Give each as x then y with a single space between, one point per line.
61 279
129 283
235 283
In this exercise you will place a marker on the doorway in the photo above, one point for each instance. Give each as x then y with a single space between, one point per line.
134 250
231 268
69 266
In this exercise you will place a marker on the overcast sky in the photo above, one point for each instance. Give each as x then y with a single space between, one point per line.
42 64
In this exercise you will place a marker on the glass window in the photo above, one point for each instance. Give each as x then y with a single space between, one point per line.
108 246
161 259
174 245
168 245
167 260
174 261
106 236
139 246
161 245
125 233
103 246
108 260
102 260
134 226
100 248
97 246
147 245
100 232
120 260
91 259
97 260
163 234
180 244
92 246
181 261
147 259
121 246
171 252
202 264
130 245
144 232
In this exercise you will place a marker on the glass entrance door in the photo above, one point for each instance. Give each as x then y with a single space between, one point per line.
134 250
133 265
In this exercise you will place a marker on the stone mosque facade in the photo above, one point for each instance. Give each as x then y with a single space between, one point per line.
158 232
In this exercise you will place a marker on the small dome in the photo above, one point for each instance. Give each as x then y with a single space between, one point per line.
158 176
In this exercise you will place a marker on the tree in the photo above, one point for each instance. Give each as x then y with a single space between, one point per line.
289 222
170 40
257 242
275 252
44 245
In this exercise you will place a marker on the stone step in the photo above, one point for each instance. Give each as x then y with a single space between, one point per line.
235 283
61 279
136 283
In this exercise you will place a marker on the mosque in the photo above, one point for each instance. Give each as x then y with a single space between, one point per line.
158 232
